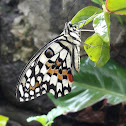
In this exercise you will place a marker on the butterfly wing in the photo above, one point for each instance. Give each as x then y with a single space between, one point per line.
50 70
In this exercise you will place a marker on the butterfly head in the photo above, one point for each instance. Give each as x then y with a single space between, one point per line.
72 31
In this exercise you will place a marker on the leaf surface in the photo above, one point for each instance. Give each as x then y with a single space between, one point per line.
97 50
3 120
116 6
85 15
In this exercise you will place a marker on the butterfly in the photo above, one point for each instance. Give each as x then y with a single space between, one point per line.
50 70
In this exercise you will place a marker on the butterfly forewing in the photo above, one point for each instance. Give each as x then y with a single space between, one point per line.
50 70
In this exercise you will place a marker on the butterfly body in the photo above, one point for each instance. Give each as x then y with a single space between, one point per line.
51 68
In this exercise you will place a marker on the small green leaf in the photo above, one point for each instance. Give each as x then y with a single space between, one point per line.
97 50
116 6
3 120
92 84
56 112
47 120
87 13
42 119
49 123
101 24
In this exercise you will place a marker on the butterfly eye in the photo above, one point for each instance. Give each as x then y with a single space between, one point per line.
70 24
49 53
75 26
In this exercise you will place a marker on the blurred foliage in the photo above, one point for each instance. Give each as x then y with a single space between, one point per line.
47 120
116 6
3 120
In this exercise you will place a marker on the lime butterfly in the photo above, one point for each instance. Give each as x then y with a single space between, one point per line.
50 70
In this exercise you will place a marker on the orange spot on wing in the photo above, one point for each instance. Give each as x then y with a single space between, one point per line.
60 76
36 85
58 63
64 72
70 77
56 71
50 71
49 64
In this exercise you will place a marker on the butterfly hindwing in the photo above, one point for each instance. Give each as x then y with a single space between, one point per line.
50 71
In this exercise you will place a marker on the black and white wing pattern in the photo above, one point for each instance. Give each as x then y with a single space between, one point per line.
51 68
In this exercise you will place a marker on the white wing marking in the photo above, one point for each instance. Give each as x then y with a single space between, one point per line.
21 90
53 80
65 82
37 69
43 58
52 91
59 86
32 81
63 54
44 70
68 61
46 78
56 47
54 57
28 73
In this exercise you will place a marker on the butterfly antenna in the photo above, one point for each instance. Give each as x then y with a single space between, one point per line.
70 10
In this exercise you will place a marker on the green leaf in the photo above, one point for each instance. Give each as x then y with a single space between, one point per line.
47 120
92 84
101 24
97 50
3 120
116 6
56 112
42 119
85 15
